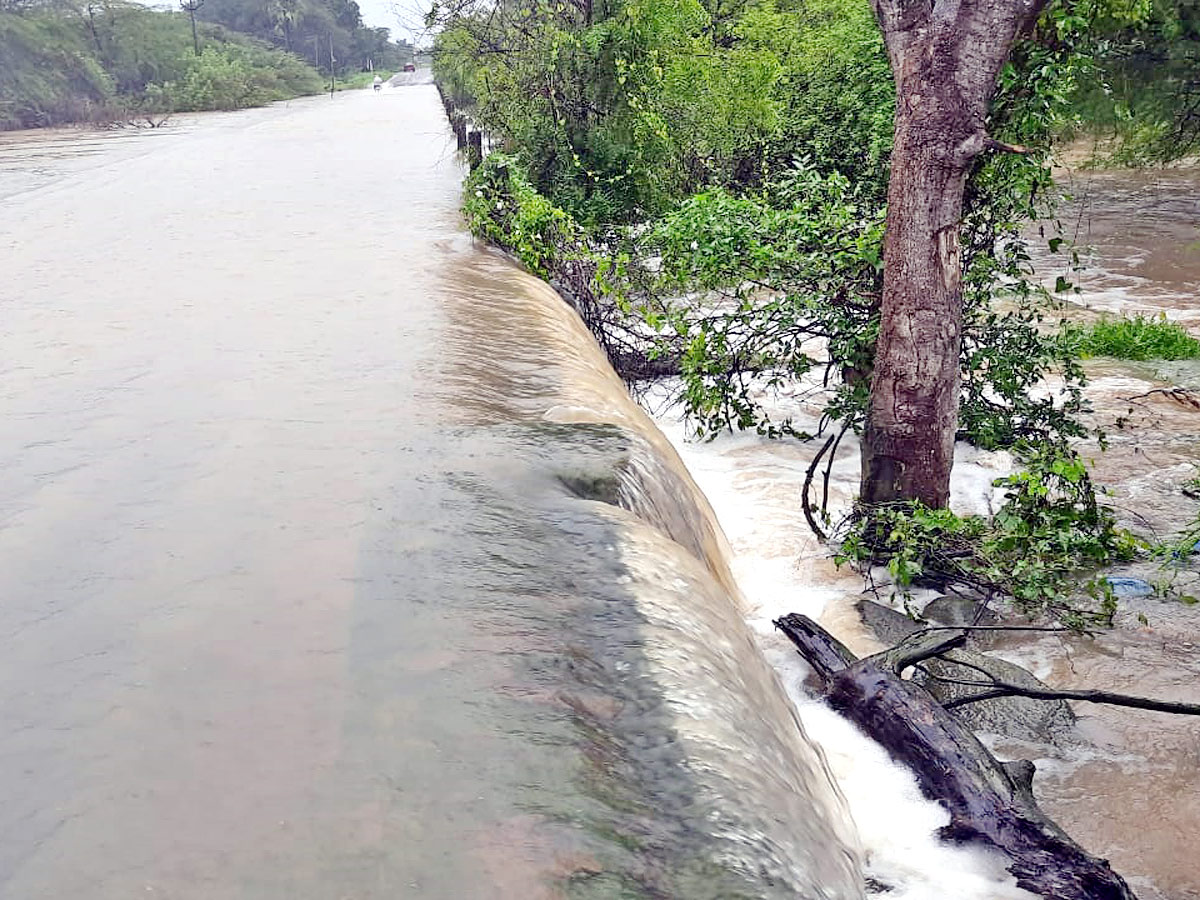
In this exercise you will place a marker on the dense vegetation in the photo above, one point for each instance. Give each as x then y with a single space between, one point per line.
706 181
1142 97
313 29
79 62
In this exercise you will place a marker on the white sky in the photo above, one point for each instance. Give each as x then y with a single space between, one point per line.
404 17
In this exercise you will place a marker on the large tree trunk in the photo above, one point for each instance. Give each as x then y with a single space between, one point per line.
909 445
945 58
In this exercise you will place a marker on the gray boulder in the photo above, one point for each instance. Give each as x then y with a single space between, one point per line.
1042 721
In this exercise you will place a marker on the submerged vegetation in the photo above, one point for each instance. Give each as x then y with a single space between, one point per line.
1133 337
1049 529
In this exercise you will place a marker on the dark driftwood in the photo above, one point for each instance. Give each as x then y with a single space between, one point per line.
989 803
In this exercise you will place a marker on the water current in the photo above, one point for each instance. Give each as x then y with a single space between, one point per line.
1125 783
336 563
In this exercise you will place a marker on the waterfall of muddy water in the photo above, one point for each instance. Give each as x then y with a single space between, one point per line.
1125 783
337 563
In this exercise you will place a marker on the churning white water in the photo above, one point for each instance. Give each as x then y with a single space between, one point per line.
754 486
1124 783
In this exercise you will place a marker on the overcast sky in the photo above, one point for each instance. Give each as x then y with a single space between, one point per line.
403 17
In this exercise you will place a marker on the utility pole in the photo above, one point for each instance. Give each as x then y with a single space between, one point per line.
190 6
331 70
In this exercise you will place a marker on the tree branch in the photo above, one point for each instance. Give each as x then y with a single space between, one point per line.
1011 690
1001 147
917 647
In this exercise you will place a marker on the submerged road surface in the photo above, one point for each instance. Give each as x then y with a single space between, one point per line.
308 588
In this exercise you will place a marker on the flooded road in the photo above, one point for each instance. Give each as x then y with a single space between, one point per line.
335 562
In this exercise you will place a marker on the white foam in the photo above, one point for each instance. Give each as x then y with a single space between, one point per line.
754 487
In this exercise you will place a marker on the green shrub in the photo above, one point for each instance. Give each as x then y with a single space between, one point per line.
1048 530
236 76
1136 337
502 206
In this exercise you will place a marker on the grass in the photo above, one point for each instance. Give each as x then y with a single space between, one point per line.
1134 337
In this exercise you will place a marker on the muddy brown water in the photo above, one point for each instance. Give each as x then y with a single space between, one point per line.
1129 787
1125 783
1138 233
336 563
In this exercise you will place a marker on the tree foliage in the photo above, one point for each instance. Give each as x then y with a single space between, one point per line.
621 108
707 183
83 60
308 27
1142 95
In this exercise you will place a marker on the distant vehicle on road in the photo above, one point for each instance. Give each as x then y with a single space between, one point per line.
409 67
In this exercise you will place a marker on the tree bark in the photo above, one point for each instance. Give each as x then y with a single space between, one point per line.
945 58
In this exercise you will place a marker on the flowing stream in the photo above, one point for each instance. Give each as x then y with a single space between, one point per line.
335 561
1125 783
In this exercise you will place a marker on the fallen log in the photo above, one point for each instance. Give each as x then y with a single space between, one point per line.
989 802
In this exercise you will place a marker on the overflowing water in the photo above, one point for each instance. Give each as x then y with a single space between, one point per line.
335 561
1125 783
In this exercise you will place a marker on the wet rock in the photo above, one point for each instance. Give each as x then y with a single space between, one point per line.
952 609
1015 717
889 625
1043 721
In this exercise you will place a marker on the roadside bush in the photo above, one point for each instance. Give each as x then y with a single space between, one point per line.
502 206
229 76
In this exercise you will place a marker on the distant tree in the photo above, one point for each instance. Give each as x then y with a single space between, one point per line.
283 13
